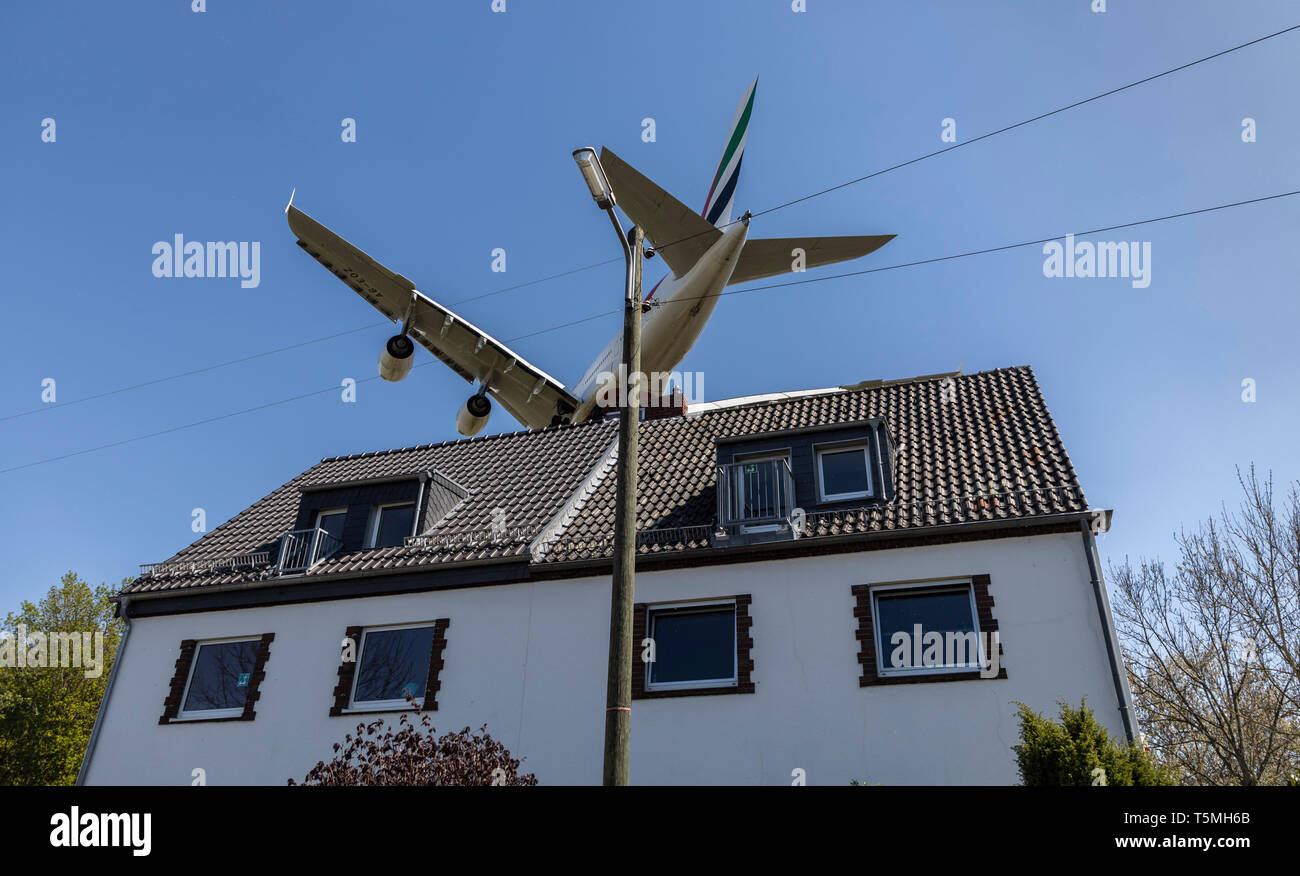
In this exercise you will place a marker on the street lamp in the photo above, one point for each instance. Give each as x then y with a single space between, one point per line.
594 175
618 691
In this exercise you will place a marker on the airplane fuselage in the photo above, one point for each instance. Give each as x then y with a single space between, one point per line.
679 309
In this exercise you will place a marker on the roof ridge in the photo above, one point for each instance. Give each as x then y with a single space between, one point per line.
773 398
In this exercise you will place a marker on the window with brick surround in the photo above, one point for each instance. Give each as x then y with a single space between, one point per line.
390 662
698 648
217 679
928 631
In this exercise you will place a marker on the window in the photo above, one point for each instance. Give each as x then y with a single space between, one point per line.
762 489
390 524
332 521
694 645
220 676
926 629
843 472
392 662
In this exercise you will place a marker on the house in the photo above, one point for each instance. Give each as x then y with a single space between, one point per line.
856 583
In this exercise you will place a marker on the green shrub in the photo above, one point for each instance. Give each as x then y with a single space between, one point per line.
1079 751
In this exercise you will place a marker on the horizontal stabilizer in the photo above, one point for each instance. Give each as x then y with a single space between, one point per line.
770 256
678 233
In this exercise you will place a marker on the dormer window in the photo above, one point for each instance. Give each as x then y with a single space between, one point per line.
843 472
391 524
332 521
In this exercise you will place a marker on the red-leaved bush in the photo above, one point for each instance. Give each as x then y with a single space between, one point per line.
414 755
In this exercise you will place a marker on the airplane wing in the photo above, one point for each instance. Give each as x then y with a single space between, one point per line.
529 394
769 256
683 234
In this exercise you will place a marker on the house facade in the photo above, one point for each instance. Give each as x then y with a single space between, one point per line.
856 583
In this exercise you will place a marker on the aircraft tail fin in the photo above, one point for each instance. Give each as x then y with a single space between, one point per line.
722 193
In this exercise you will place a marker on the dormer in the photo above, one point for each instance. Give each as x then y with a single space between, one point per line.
365 514
769 483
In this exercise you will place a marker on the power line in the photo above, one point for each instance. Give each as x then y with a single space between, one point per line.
1037 118
285 349
190 373
929 261
985 136
799 200
1009 246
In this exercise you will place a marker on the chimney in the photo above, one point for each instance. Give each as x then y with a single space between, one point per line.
672 406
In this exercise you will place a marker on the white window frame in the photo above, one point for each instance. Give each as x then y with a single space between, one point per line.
821 449
937 586
326 513
760 456
701 683
399 705
207 714
372 530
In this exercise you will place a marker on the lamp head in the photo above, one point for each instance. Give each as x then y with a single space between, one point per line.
594 175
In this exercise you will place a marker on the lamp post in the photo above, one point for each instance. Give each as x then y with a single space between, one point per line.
618 693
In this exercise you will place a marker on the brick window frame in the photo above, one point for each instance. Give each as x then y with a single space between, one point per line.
348 669
866 636
744 662
181 677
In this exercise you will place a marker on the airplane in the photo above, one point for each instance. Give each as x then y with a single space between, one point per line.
704 253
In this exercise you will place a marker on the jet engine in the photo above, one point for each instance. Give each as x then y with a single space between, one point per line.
473 415
396 358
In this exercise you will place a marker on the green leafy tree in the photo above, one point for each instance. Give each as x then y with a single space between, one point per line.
1079 751
47 712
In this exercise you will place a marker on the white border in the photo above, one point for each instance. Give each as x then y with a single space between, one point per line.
820 449
202 714
785 453
376 511
936 586
733 681
399 705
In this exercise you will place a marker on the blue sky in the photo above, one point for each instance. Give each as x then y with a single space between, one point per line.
173 122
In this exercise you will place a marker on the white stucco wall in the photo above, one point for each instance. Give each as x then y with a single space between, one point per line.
529 661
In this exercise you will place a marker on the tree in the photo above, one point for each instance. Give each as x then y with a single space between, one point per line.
1213 648
415 755
1079 751
47 707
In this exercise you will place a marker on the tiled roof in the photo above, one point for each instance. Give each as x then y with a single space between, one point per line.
990 451
528 475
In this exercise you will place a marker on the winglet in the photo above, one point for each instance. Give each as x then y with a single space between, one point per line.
290 204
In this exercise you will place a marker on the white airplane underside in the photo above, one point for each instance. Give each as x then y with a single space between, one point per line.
702 257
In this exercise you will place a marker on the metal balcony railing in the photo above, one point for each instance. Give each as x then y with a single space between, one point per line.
240 561
303 548
758 493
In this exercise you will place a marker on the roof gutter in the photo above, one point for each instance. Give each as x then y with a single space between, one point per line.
1124 698
337 576
108 691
